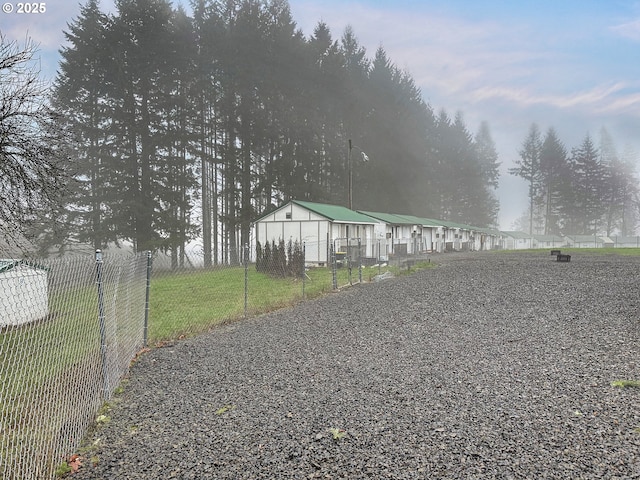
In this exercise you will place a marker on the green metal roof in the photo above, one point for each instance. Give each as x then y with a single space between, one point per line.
517 234
336 213
388 218
425 222
586 238
548 238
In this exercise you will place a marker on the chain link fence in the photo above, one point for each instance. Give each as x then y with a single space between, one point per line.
70 327
68 331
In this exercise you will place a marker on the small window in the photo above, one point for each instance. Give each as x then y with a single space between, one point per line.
288 215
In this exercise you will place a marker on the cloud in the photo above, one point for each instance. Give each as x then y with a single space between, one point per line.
518 62
609 99
629 30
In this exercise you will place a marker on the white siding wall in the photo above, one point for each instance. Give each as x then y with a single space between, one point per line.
292 222
427 238
313 233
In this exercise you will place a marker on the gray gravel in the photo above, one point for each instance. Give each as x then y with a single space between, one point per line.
489 366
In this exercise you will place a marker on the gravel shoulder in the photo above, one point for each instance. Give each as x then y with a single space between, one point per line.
490 366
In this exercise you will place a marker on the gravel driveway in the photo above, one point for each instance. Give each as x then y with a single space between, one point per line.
488 366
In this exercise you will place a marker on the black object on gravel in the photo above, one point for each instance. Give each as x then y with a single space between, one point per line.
488 366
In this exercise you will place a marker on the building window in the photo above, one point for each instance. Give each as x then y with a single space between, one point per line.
288 215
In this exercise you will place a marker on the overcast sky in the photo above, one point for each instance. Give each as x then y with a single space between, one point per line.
569 64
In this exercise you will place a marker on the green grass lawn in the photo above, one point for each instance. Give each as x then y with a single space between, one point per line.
185 304
43 372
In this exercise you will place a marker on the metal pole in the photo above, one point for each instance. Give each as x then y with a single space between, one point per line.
359 260
332 259
350 177
349 261
246 278
146 302
304 271
101 320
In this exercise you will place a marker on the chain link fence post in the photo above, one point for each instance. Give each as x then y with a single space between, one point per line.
349 262
359 260
303 267
146 303
246 278
101 320
334 266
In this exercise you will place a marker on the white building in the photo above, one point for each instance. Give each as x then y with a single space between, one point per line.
318 226
515 240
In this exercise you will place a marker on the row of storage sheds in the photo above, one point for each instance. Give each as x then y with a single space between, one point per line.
325 227
515 240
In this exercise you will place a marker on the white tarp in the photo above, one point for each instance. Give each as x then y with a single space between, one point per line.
23 294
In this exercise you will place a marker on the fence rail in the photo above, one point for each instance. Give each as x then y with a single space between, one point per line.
70 327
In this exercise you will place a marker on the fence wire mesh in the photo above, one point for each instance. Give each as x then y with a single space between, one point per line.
70 327
56 369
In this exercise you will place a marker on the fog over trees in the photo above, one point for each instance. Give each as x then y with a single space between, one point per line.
186 127
590 190
190 126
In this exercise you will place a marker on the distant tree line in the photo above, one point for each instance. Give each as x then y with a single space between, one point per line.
592 189
191 126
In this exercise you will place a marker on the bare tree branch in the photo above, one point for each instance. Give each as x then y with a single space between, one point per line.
32 167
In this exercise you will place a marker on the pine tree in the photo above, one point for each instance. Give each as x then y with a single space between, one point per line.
79 94
553 170
589 187
140 39
528 168
487 158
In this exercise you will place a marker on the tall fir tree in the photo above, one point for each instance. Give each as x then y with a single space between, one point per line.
79 94
553 171
528 168
589 187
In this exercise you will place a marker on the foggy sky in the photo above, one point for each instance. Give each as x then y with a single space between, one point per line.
573 65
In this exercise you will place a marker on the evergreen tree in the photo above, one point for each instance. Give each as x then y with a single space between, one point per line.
236 110
589 187
442 169
553 172
487 155
79 94
487 158
528 168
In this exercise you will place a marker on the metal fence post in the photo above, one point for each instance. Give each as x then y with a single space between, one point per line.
332 259
246 278
349 262
359 260
146 302
101 320
304 270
